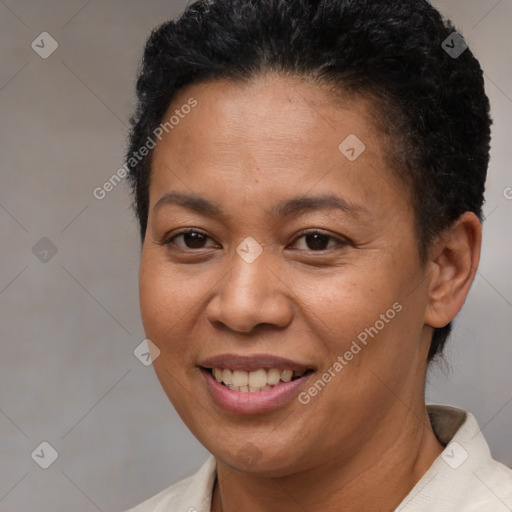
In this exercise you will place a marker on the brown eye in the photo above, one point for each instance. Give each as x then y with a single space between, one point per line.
190 240
317 241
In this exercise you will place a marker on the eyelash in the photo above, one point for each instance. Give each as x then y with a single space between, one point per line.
341 242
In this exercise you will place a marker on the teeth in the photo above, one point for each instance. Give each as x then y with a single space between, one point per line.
240 378
227 376
273 376
258 379
286 375
251 382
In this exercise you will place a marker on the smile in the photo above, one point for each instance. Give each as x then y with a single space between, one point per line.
254 381
256 384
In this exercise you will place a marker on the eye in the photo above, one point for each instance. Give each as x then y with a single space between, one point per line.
312 240
318 241
190 239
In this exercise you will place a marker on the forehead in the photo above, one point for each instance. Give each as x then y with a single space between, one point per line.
294 115
271 136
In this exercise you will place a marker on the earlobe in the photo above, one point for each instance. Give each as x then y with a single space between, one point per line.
455 258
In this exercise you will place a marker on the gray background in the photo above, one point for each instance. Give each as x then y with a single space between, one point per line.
69 326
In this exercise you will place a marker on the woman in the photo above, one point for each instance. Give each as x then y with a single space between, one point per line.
309 177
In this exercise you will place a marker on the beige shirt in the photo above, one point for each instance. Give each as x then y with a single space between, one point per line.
464 478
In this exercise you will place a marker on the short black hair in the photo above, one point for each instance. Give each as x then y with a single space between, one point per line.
430 101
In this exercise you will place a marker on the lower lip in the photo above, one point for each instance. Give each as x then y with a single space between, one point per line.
256 402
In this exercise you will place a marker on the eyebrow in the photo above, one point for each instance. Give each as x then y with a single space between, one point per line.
294 206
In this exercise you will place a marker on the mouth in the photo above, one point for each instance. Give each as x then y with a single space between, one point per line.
255 381
257 384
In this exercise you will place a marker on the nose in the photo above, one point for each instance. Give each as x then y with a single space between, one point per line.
251 295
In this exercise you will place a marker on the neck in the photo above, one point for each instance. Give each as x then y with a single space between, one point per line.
378 476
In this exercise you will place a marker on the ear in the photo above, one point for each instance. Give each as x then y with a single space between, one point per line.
454 261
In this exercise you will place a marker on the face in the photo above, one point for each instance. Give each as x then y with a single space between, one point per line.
272 253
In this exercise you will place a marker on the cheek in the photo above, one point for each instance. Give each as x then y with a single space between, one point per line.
166 303
166 300
155 298
341 305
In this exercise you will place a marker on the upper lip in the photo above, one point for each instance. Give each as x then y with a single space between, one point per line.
252 363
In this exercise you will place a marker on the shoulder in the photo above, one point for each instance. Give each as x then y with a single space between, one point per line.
192 494
465 477
167 499
491 488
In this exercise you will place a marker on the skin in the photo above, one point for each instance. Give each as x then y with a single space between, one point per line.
365 440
